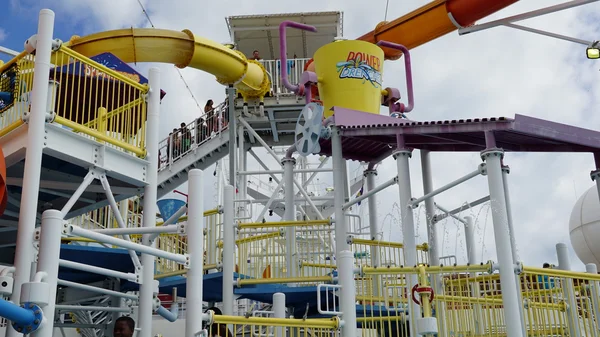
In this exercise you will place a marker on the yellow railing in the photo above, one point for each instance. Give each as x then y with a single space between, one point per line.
16 78
267 327
99 102
469 301
87 97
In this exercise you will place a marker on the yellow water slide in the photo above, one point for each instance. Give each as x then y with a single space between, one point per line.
183 49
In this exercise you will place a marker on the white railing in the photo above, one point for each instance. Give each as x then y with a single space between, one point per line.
295 69
186 139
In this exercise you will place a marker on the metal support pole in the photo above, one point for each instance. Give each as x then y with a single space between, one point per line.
348 293
48 264
408 225
513 244
510 297
24 254
470 240
98 270
375 190
341 243
97 290
232 126
196 252
242 166
434 256
228 249
373 228
448 186
593 269
572 311
150 195
279 311
472 257
289 215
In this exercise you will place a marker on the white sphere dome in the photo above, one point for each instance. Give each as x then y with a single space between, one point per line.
584 227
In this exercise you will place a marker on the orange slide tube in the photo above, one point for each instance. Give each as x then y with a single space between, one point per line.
431 22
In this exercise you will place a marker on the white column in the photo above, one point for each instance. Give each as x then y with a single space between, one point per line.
373 227
562 254
195 230
242 166
48 263
289 215
513 244
232 127
339 183
593 269
348 293
279 311
33 157
150 191
228 249
434 257
508 282
408 227
470 240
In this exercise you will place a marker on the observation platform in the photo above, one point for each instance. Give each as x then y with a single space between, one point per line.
367 137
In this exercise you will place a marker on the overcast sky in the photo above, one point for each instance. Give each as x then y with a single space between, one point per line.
498 72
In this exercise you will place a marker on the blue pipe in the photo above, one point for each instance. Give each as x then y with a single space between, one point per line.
166 314
16 314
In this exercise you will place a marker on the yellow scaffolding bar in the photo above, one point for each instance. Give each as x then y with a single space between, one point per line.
332 323
325 222
284 280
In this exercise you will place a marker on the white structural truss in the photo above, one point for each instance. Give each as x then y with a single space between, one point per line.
317 241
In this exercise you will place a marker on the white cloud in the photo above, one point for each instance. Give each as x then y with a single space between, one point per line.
498 72
3 34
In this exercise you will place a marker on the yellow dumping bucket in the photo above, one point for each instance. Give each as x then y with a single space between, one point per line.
350 75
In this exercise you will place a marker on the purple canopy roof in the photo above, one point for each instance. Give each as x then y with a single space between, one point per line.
368 137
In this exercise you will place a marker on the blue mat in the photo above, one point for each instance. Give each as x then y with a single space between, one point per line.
109 258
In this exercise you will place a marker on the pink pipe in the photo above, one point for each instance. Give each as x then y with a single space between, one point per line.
409 81
283 51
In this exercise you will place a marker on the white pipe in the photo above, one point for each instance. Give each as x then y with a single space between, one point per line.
408 226
289 215
196 254
78 231
228 249
117 214
97 270
448 186
508 282
181 211
24 253
253 173
312 176
48 264
308 199
279 311
513 244
170 316
87 180
373 227
269 202
593 269
376 189
338 190
259 138
138 230
65 307
231 94
434 256
572 311
263 165
348 293
93 289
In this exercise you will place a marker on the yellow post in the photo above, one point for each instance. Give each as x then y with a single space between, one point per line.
349 75
102 121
